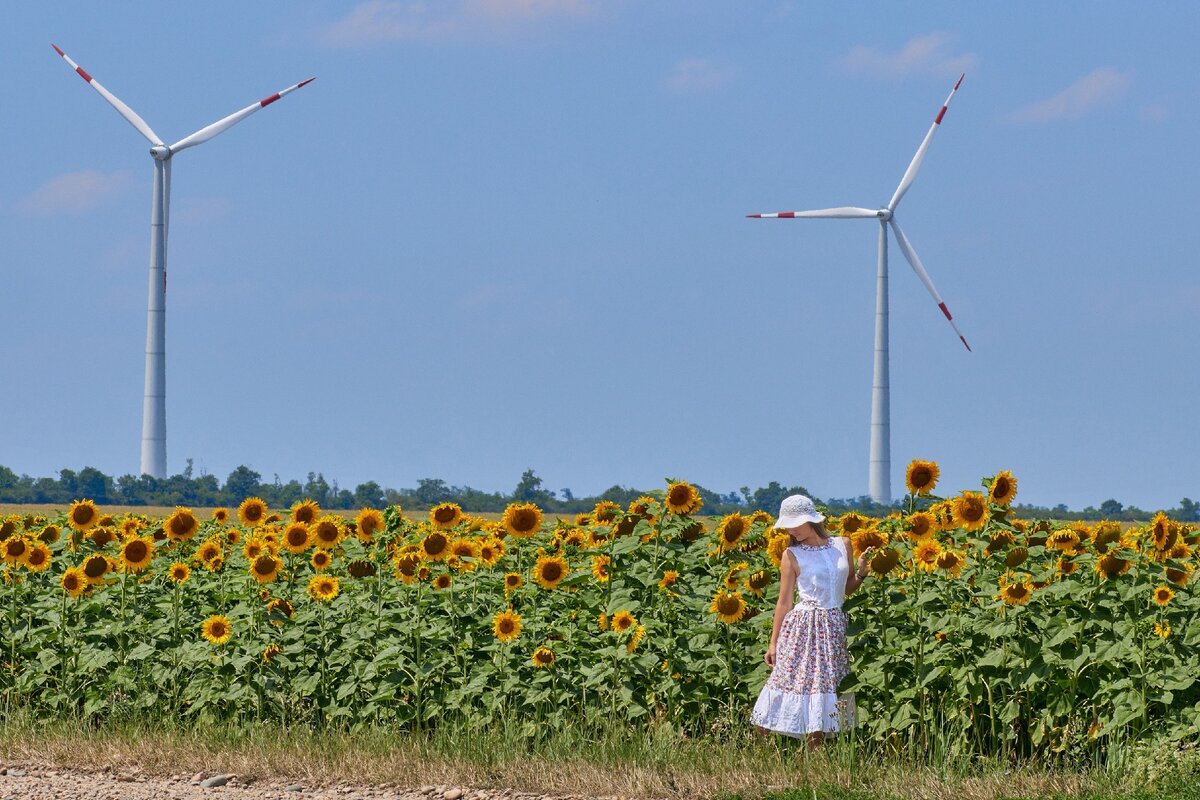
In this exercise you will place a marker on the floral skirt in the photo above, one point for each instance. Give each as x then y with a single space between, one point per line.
800 696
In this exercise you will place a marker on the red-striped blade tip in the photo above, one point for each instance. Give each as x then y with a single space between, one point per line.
964 341
754 216
266 101
307 82
60 52
960 79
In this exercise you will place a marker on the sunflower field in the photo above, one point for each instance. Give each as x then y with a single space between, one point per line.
987 631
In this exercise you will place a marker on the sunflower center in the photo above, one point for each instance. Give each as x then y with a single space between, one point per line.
136 551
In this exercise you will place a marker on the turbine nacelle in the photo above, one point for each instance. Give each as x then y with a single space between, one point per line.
160 152
884 214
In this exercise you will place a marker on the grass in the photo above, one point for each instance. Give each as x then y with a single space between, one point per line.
597 760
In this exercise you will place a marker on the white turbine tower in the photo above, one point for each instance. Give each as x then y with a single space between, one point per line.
879 484
154 406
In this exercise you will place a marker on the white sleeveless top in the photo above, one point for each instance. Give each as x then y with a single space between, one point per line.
821 581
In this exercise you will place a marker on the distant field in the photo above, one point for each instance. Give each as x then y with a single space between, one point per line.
49 509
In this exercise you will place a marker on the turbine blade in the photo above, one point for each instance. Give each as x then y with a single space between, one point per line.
910 174
221 125
125 111
918 268
845 212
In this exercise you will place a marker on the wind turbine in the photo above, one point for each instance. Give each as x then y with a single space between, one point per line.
879 483
154 405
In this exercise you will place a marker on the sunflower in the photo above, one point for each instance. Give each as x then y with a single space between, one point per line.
639 633
101 535
682 498
306 511
265 568
522 520
1065 540
512 581
600 566
643 507
1016 594
868 537
549 571
1162 630
82 515
14 549
297 538
181 525
733 578
327 532
132 526
1179 577
323 588
920 524
851 522
1163 595
278 610
728 606
50 534
445 516
606 511
465 548
669 578
1016 557
1000 539
37 557
136 553
926 553
577 538
1065 566
970 511
74 582
96 567
442 581
758 581
776 546
209 551
506 625
491 550
730 531
1109 566
368 523
321 559
254 547
179 572
950 562
435 546
583 520
270 651
542 658
884 561
1003 488
220 515
602 621
623 621
921 476
216 629
252 511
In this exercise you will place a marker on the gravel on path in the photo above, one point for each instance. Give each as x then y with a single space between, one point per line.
32 782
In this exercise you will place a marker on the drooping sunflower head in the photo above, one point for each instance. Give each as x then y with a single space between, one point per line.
368 524
1003 489
506 625
868 537
605 511
951 562
136 553
1015 557
549 571
96 567
776 545
683 498
446 515
1104 535
970 511
759 581
884 561
279 610
728 606
1179 577
323 588
542 658
921 477
1109 566
600 566
850 523
920 524
669 578
82 515
179 572
731 530
306 511
252 512
522 520
643 507
217 629
50 534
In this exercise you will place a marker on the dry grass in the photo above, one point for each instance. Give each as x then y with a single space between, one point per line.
652 767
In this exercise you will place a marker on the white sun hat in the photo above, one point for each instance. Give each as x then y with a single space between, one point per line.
795 510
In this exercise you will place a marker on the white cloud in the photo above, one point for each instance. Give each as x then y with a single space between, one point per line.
921 55
697 75
381 21
73 192
1098 88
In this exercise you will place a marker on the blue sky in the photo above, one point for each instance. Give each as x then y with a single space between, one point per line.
503 234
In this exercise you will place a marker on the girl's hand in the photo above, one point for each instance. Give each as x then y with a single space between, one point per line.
770 656
864 559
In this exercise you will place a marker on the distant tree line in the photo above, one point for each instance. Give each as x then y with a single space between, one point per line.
206 491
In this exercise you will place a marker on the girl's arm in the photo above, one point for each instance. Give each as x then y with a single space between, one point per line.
852 580
787 598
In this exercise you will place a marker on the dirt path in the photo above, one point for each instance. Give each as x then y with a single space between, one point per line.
52 783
